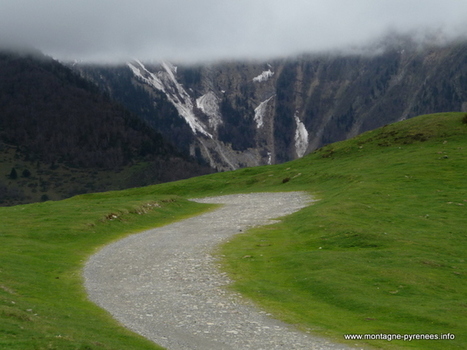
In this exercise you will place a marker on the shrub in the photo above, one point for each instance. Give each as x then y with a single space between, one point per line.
26 173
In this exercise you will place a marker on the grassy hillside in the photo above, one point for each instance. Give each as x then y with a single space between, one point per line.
382 251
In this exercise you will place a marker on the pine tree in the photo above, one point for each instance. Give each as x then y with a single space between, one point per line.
13 174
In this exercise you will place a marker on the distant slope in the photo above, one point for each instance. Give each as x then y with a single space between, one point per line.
51 118
237 114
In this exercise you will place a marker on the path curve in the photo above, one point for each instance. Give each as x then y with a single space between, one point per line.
165 285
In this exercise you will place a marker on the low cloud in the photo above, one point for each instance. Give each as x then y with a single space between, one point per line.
186 30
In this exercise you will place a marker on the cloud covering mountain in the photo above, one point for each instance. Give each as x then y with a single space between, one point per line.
187 30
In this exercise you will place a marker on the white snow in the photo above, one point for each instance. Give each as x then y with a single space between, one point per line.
209 105
171 70
260 111
301 138
146 76
263 76
165 81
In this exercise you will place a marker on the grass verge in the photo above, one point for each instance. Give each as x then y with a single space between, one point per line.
43 247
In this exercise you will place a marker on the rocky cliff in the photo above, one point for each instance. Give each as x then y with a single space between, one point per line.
237 114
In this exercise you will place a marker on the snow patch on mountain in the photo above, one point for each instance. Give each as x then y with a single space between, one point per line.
263 76
146 76
209 105
165 81
301 138
260 111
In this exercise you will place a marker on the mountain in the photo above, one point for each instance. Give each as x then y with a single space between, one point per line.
60 135
237 114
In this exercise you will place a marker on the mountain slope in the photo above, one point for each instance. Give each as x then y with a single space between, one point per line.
54 123
236 114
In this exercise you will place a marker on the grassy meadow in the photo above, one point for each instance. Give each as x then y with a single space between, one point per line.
382 250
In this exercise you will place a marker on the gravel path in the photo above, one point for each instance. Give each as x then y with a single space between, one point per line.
165 285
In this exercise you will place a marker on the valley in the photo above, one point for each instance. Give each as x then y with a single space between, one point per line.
233 175
141 123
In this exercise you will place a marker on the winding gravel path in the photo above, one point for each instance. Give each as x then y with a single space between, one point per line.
165 285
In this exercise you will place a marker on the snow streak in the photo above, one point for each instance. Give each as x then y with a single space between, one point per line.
209 105
263 76
260 111
166 82
301 138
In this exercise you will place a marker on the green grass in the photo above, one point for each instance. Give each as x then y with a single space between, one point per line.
382 251
43 247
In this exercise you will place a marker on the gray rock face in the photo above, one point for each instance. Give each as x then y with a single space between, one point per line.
165 285
237 114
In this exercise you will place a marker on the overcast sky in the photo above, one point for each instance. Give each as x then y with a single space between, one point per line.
193 30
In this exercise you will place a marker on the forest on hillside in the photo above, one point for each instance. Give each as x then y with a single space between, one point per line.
54 115
51 117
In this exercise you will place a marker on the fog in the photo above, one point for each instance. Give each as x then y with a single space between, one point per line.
191 31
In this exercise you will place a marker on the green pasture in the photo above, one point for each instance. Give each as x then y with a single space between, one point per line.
381 251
